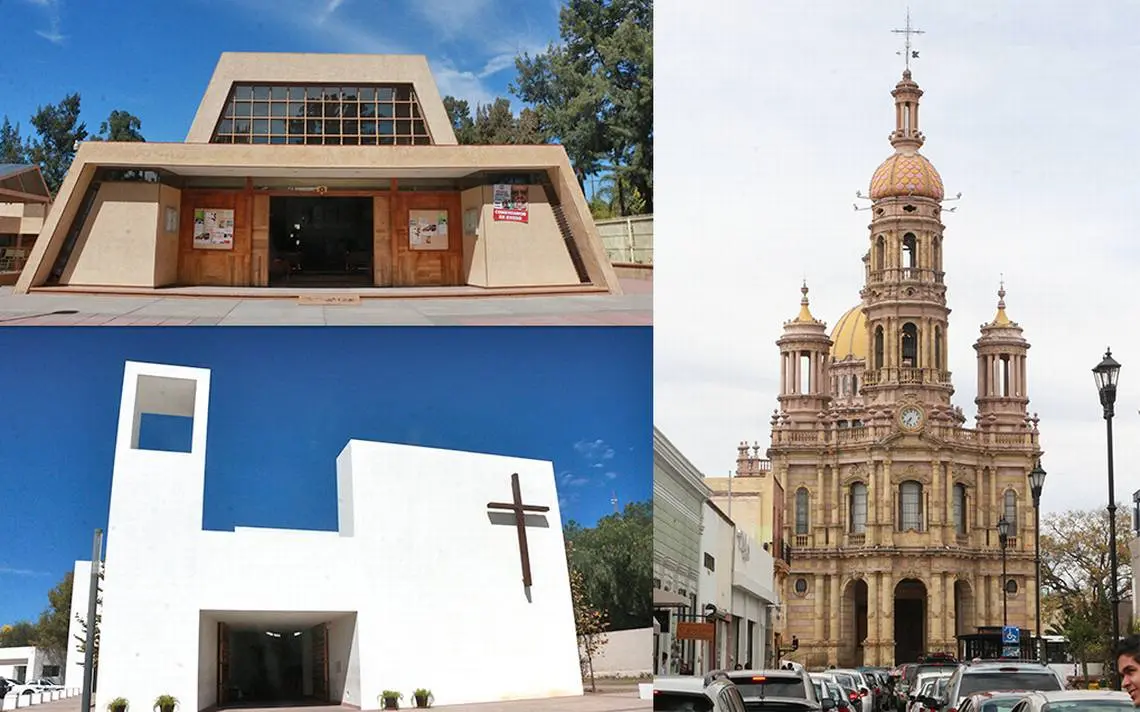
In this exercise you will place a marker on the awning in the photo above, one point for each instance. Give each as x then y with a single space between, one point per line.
667 599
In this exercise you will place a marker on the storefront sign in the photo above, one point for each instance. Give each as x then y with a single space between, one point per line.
696 631
512 203
213 229
427 229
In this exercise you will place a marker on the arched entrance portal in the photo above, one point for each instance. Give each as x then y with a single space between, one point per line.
910 620
963 610
851 654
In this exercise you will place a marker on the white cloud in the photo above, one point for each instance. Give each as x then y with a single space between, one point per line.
53 10
594 450
21 572
1027 114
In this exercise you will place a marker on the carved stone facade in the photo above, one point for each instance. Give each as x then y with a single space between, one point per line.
891 503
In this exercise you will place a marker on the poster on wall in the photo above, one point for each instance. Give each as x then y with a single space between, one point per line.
427 229
213 229
512 203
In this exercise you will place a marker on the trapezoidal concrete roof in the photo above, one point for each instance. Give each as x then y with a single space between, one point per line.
321 69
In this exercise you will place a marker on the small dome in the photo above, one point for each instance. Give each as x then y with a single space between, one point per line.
906 174
849 337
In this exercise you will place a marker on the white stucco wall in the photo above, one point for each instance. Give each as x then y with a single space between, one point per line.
80 597
449 568
753 590
12 658
627 653
715 587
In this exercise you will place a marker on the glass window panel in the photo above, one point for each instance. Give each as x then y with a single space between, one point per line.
368 128
297 109
403 93
261 93
387 128
243 93
277 126
403 110
349 93
229 111
313 93
385 110
367 110
403 128
332 109
261 139
331 93
241 139
403 140
226 126
315 127
416 110
420 128
351 127
387 140
279 93
368 93
332 127
296 126
367 140
261 108
223 139
350 140
278 108
241 126
277 139
385 94
332 140
242 108
296 140
261 126
348 111
422 141
296 93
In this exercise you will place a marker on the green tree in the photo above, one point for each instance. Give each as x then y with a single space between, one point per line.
81 639
52 628
121 126
589 620
459 113
492 124
12 146
17 635
59 133
594 91
615 557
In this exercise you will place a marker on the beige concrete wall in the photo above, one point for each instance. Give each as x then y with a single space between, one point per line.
628 240
627 653
474 244
117 245
22 218
166 247
527 254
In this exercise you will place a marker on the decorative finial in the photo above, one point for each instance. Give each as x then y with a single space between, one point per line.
1001 293
908 53
805 316
804 291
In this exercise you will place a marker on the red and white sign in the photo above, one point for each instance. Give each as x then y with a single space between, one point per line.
511 203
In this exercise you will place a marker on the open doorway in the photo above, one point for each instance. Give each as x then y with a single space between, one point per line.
910 620
264 666
320 242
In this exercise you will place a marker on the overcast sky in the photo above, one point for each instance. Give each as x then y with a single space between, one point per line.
770 116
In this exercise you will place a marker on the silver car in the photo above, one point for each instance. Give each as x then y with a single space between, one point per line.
1075 701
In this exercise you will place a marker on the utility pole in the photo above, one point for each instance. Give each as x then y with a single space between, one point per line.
92 612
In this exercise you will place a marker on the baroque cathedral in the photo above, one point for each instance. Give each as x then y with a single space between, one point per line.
887 501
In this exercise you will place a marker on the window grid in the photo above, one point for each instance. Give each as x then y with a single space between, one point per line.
802 511
858 508
960 508
1011 511
368 115
910 505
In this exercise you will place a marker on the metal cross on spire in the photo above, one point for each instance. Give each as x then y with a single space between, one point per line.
908 53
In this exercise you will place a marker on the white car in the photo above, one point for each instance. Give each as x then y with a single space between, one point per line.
862 686
684 693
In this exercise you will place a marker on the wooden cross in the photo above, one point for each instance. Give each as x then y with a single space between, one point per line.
520 510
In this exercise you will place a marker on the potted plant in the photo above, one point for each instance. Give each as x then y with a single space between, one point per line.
391 699
165 703
119 704
422 695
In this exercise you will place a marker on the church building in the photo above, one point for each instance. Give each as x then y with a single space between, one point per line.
306 171
888 501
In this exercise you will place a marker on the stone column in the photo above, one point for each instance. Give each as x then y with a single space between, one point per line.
871 646
817 518
934 598
834 633
817 594
886 616
951 616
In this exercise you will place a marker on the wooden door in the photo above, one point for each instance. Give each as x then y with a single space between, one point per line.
418 267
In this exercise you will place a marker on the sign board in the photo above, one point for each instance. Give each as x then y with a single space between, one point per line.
213 229
696 631
511 203
427 229
329 299
1011 651
1011 635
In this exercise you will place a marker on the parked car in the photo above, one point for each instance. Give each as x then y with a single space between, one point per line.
775 690
998 676
864 687
826 687
1074 701
991 701
677 693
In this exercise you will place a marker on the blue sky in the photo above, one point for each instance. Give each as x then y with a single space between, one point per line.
283 404
154 59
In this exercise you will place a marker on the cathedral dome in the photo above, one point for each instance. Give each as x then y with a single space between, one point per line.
849 337
906 174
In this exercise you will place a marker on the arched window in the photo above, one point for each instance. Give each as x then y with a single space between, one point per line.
910 506
878 347
960 508
909 345
880 253
858 508
910 251
937 255
802 503
1010 511
854 385
938 348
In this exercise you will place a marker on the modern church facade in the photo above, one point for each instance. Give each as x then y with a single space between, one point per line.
466 595
305 171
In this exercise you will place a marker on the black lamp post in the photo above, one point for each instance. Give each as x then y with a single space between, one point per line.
1003 539
1036 484
1107 374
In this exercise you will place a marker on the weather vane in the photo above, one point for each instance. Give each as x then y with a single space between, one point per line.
908 53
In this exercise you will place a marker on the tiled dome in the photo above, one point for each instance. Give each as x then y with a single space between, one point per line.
906 174
849 337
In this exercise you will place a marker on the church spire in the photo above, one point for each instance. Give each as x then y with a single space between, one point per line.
906 138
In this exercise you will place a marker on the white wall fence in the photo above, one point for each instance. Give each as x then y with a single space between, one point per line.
11 701
627 653
628 240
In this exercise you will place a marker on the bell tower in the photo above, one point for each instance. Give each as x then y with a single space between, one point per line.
1002 398
805 390
905 295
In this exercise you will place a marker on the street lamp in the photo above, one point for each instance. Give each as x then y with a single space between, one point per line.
1036 484
1003 539
1107 374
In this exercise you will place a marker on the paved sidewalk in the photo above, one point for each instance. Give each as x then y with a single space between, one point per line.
634 308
